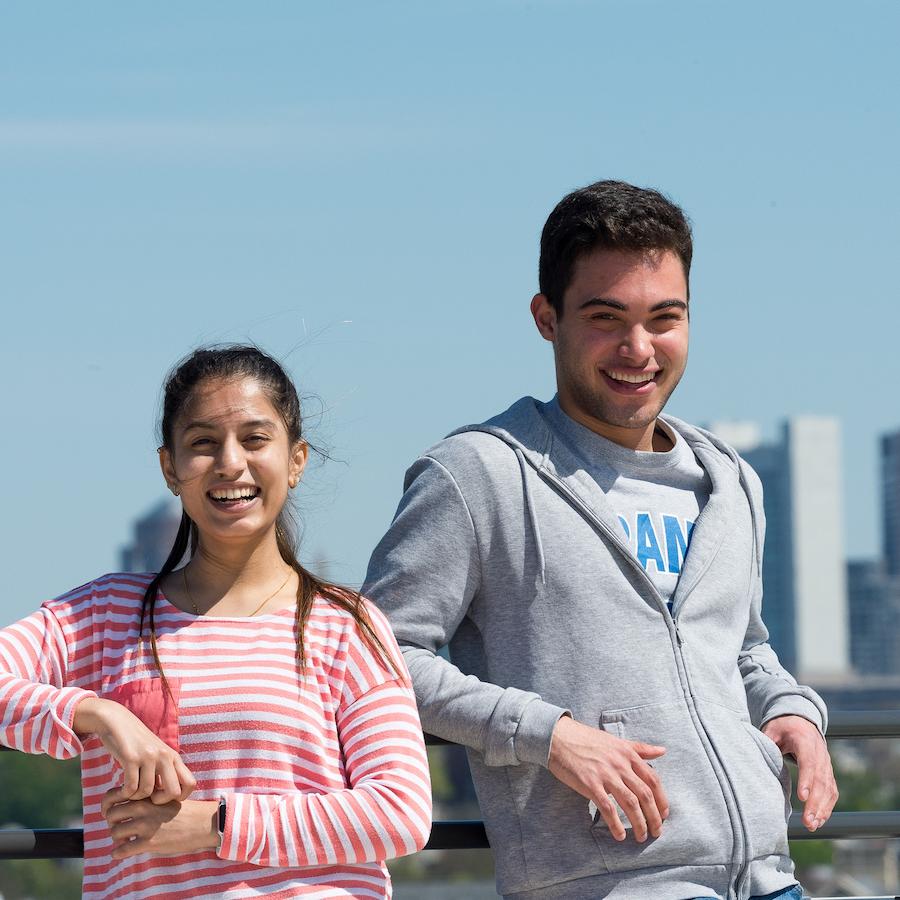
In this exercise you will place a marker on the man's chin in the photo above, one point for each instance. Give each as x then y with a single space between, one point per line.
618 418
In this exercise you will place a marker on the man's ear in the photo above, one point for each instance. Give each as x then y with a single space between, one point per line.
544 316
299 456
168 470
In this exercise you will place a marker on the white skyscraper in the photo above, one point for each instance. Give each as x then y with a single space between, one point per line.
813 447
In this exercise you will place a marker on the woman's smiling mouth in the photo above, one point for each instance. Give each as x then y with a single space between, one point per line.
231 497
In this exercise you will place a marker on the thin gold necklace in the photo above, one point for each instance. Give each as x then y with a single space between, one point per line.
255 611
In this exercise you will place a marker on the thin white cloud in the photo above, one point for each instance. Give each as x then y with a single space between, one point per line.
119 134
292 133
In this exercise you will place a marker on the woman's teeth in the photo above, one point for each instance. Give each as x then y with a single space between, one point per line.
234 494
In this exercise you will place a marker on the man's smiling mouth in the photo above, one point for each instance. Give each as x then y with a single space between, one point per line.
636 378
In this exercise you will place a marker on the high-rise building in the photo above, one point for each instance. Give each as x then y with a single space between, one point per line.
874 585
873 599
154 534
804 576
890 492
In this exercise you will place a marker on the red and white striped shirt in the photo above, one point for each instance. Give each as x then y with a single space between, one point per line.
324 774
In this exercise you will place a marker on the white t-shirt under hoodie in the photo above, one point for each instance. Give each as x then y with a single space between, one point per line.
657 496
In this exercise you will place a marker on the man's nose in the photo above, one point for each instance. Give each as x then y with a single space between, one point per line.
637 344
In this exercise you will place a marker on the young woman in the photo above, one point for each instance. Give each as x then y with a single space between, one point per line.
245 729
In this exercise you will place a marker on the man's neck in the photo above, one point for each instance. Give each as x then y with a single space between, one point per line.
648 438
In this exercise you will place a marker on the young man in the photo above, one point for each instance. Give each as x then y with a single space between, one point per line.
595 568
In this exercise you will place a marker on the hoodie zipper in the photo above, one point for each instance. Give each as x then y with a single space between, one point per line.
735 889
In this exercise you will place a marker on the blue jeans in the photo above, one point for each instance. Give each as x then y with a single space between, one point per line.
791 893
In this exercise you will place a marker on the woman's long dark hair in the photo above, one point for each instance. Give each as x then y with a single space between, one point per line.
236 361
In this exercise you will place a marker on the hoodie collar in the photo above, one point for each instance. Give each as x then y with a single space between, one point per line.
525 428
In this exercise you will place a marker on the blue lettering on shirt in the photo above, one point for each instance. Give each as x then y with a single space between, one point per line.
676 542
649 548
647 543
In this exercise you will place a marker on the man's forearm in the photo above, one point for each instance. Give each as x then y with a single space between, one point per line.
507 726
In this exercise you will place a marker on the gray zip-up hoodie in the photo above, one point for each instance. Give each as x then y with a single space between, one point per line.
505 549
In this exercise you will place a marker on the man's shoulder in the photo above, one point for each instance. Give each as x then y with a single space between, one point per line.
702 438
494 442
698 437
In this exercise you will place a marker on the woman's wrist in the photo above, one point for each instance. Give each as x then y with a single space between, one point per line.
209 815
88 716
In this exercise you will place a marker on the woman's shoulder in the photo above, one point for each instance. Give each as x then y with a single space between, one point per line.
331 615
346 641
112 591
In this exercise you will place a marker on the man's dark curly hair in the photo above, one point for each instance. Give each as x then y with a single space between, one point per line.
608 215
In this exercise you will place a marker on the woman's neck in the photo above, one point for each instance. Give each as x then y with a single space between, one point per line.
231 580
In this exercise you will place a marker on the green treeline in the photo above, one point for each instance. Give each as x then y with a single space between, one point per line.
39 792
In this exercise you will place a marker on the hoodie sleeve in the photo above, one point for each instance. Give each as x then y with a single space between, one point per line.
424 574
771 690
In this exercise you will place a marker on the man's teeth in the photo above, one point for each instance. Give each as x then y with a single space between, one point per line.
633 379
233 494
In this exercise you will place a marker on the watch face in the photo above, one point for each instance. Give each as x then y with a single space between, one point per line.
221 817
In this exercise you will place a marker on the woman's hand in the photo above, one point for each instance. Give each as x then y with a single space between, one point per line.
166 829
152 769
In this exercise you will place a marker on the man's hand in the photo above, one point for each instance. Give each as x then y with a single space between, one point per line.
816 786
163 829
596 764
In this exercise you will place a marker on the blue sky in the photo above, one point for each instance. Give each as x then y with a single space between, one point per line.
360 187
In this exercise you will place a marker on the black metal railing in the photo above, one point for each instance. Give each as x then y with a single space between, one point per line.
68 843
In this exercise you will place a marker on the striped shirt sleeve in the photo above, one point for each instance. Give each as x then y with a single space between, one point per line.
37 708
385 811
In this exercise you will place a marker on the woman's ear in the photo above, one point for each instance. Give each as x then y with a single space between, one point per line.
299 455
168 470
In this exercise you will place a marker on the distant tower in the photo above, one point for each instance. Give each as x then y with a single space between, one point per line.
874 603
813 448
890 493
154 534
874 585
804 574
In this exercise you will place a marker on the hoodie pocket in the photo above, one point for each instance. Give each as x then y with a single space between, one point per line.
759 778
769 749
148 699
698 830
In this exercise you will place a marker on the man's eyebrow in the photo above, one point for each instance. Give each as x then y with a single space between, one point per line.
669 304
616 304
603 301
